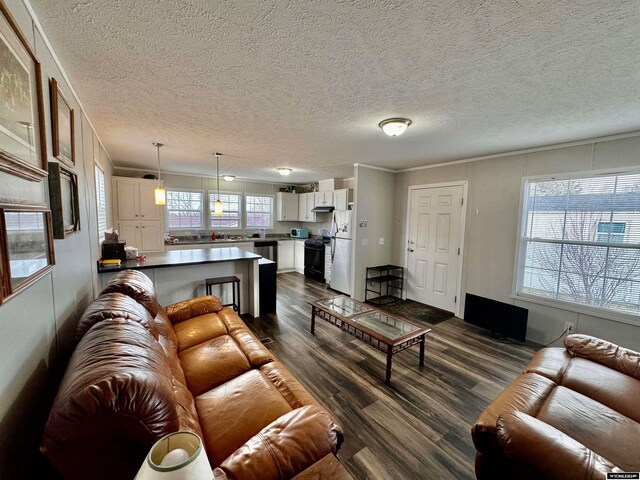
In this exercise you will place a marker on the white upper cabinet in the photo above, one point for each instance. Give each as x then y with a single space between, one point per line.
324 199
341 199
306 203
287 207
135 199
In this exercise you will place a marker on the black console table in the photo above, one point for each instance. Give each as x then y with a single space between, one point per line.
385 277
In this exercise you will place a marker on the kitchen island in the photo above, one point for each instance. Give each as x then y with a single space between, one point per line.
180 274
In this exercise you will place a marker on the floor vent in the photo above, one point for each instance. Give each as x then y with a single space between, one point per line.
266 340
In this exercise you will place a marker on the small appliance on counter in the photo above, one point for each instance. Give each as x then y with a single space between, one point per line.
300 232
114 251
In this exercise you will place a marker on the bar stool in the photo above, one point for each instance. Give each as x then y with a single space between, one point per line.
210 282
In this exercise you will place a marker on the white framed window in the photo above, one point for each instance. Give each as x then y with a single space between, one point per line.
580 241
101 203
185 209
231 211
259 210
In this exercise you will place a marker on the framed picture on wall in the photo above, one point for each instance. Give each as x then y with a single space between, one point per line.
22 147
65 206
26 247
62 126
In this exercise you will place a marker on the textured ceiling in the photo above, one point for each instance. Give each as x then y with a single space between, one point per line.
304 84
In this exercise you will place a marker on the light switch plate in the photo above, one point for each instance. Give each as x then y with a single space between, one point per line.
381 241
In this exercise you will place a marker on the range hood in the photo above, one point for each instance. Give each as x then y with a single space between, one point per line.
323 209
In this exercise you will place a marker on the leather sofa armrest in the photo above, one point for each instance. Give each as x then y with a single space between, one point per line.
543 451
284 448
605 353
178 312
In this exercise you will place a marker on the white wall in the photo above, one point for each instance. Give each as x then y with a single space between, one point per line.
374 193
492 226
38 324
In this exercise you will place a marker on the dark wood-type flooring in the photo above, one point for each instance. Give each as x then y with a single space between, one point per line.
419 427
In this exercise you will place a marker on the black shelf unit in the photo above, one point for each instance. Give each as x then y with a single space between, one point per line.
386 277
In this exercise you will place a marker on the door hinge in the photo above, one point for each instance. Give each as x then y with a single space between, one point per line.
462 202
458 250
455 299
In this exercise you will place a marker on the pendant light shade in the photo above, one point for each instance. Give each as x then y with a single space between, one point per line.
161 195
217 208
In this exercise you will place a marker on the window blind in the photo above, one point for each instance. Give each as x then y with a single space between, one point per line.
184 209
230 210
101 203
259 211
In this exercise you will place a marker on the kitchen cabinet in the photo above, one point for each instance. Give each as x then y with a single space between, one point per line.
324 199
286 256
139 221
306 203
341 199
299 256
287 205
135 199
145 236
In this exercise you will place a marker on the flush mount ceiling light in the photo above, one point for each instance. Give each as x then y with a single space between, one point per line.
229 178
284 171
161 195
217 208
394 127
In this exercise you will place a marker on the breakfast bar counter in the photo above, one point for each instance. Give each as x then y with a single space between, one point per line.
181 274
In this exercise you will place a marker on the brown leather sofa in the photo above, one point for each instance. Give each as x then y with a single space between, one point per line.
141 371
574 413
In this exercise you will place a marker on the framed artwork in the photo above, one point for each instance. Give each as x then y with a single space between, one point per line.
62 126
26 247
22 147
65 206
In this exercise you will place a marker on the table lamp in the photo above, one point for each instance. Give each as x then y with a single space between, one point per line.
176 456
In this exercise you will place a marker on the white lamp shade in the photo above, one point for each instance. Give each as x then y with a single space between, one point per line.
217 209
192 465
161 196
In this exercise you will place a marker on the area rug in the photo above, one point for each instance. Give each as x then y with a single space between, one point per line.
413 310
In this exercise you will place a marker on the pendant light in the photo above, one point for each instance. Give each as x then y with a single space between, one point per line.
217 210
161 196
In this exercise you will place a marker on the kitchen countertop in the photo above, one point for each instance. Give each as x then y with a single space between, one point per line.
232 240
175 258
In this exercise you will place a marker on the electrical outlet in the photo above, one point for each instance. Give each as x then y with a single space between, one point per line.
570 327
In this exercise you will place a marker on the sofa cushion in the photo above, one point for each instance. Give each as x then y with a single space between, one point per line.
136 285
212 363
115 305
292 390
194 307
606 432
527 394
550 362
199 329
235 411
604 385
605 353
118 392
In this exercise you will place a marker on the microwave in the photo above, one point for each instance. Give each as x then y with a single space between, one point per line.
300 232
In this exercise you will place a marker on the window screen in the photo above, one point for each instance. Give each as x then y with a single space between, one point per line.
184 209
580 241
259 211
230 210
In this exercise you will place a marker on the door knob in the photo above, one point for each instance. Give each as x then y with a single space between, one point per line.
410 249
411 242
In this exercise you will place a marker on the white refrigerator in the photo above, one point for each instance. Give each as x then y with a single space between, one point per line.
341 251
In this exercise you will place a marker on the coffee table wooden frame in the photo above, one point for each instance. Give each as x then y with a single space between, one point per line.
367 335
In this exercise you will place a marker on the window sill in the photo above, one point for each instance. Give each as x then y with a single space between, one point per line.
580 309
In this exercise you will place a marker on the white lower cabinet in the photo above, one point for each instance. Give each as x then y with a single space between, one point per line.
286 256
145 236
299 255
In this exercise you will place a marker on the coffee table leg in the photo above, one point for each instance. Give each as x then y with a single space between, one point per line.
422 340
389 357
313 320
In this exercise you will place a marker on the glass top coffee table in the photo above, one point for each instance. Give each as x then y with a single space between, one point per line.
388 333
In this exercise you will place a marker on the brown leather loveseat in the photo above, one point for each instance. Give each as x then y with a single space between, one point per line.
141 371
574 413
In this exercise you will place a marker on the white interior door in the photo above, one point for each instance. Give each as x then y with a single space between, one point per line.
434 245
